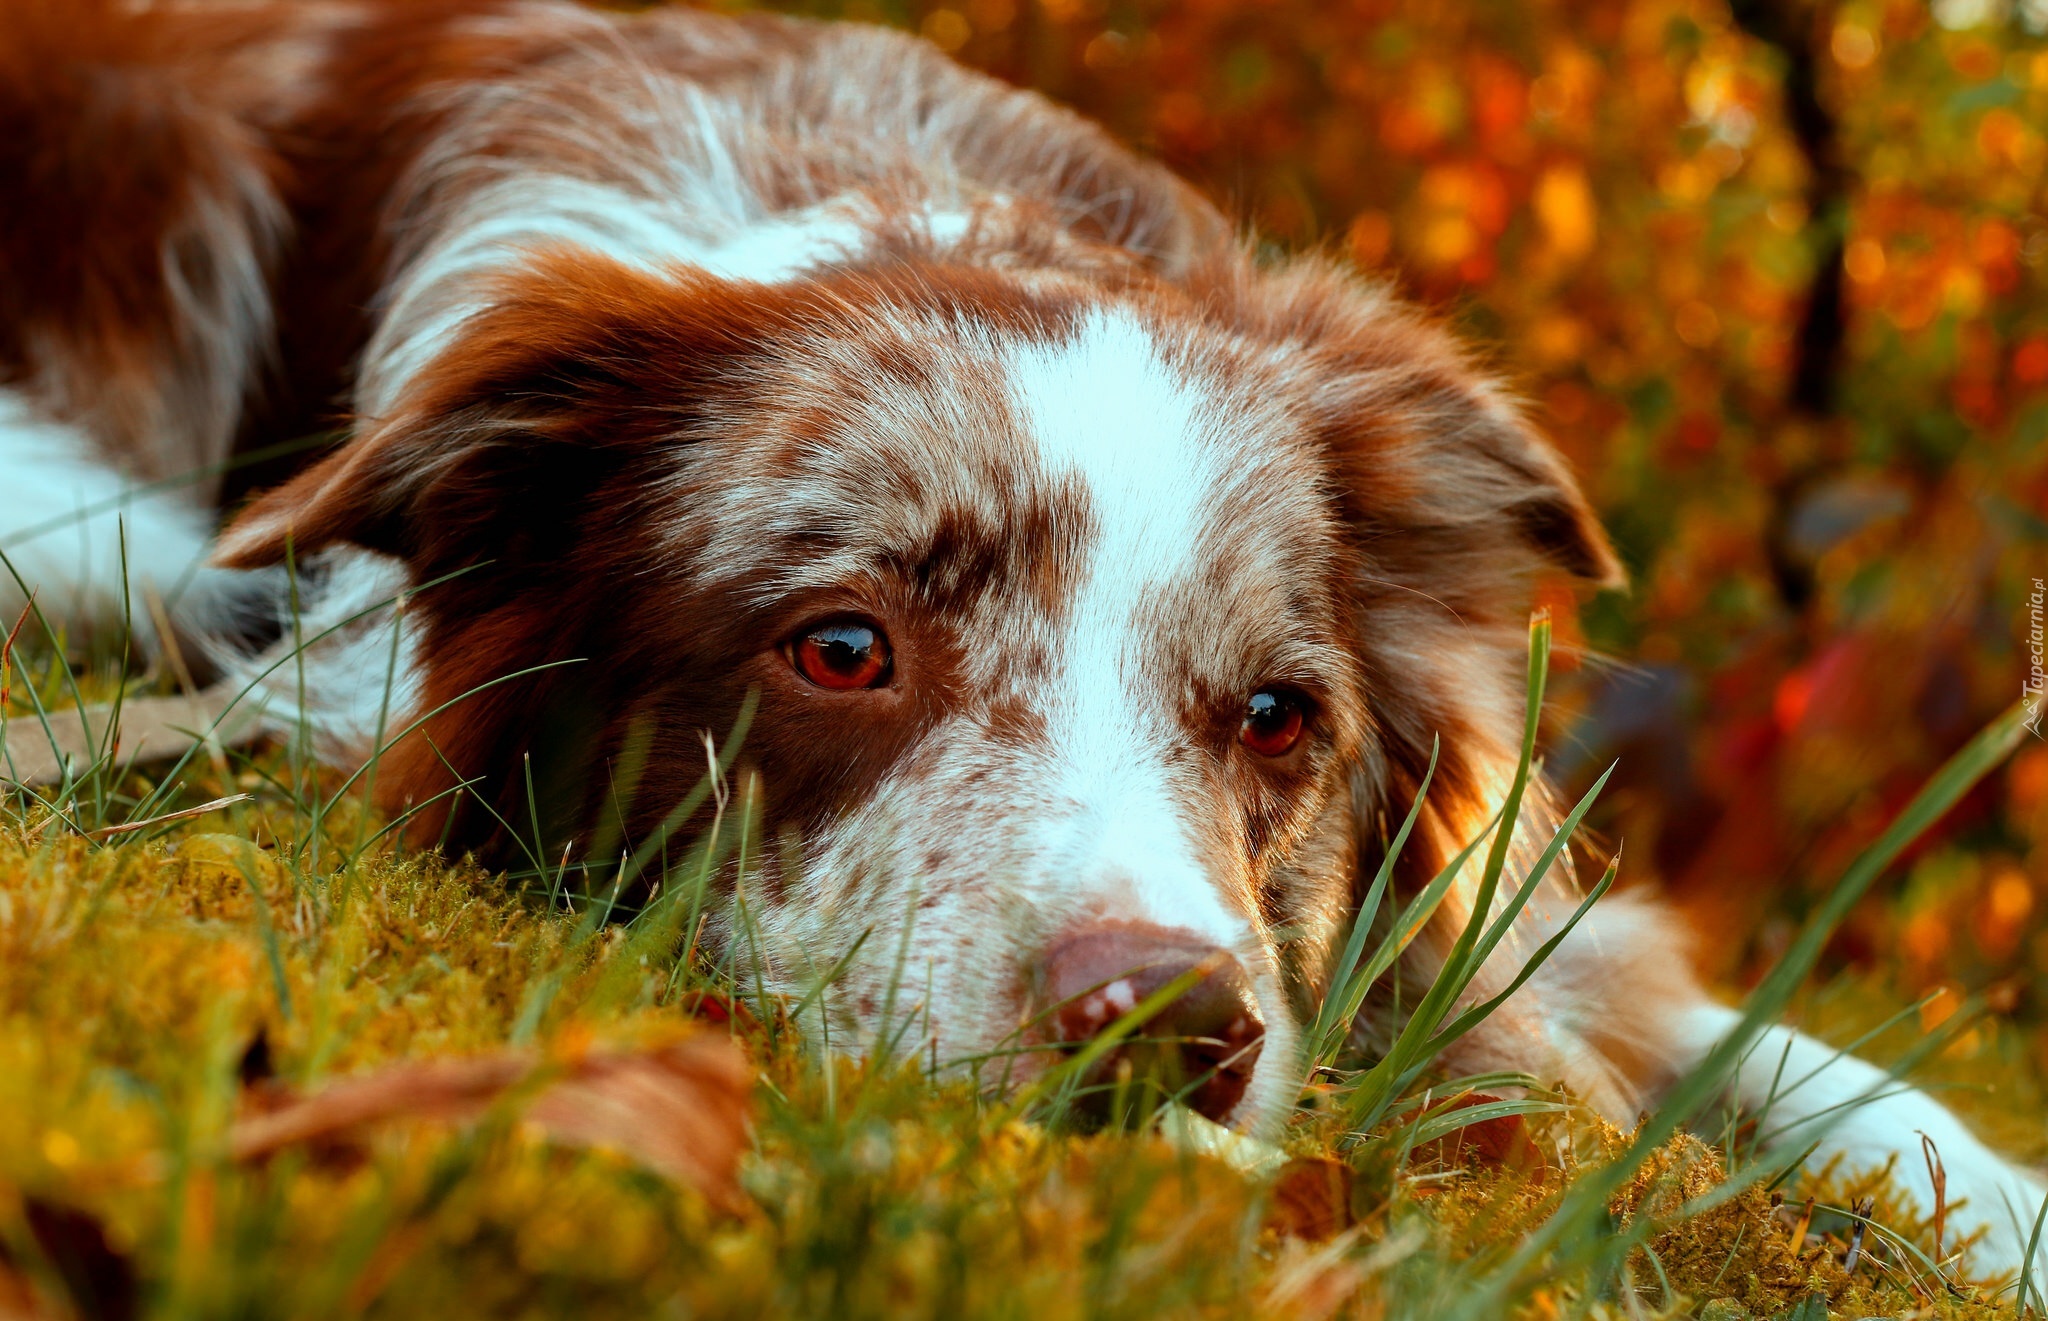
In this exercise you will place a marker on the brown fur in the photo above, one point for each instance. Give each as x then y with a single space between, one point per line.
661 339
526 458
558 455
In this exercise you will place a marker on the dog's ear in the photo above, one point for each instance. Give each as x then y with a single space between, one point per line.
1451 492
1435 467
1446 480
577 366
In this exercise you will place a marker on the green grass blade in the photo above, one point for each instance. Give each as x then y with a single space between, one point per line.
1478 1013
2021 1304
1348 989
1582 1211
1377 1088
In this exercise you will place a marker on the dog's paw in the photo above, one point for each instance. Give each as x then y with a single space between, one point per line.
1996 1203
1859 1118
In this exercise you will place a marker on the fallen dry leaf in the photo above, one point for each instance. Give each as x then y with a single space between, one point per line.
1499 1143
1312 1199
150 730
680 1109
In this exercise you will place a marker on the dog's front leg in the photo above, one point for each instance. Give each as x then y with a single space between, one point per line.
1801 1091
1616 1016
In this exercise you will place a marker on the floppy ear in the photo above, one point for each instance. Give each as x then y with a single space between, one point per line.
578 365
1437 452
1444 480
1450 487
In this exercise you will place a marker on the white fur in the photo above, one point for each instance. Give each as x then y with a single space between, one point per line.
1106 409
65 518
1103 408
682 196
1804 1090
502 226
224 322
344 672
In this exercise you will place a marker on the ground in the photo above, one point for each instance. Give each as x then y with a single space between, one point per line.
166 991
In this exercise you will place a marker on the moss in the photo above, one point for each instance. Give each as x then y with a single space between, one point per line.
135 975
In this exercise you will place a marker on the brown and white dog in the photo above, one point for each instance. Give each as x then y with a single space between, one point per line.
1103 588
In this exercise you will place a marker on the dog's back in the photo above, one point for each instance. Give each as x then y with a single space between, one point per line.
195 178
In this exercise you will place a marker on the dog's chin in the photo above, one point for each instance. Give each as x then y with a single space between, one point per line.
1276 1080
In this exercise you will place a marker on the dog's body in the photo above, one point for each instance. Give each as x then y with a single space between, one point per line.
1103 591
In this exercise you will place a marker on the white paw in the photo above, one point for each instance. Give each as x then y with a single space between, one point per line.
1986 1198
1988 1195
1860 1117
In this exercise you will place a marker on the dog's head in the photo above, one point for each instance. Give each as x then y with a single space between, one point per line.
1095 624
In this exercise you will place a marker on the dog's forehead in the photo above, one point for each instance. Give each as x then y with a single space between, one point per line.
1109 449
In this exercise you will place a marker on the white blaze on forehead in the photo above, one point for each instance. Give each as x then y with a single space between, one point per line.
1105 409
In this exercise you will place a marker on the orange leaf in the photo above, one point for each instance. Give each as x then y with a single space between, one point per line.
1312 1198
680 1110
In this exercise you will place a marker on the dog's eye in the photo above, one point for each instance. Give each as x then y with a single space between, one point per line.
1273 722
843 654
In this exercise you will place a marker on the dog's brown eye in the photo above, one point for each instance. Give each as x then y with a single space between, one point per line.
1273 721
842 654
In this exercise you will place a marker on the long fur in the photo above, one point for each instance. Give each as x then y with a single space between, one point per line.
658 338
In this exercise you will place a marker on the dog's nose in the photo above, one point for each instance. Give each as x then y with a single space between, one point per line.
1201 1047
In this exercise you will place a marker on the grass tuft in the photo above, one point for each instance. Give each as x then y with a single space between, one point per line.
166 972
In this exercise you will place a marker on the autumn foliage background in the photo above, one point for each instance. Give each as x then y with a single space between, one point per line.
1775 276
